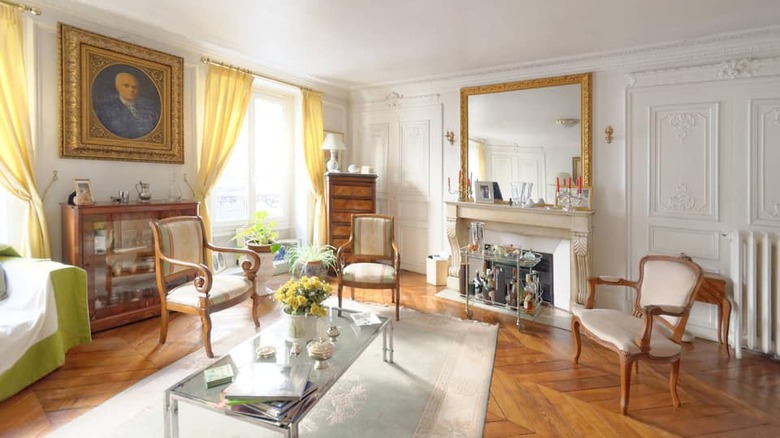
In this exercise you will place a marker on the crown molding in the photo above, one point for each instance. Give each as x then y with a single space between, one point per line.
712 49
394 100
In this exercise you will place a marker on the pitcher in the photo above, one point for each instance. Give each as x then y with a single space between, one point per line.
144 195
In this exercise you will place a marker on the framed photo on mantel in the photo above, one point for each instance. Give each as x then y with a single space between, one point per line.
483 191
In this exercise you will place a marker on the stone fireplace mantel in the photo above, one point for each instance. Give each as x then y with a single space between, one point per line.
575 226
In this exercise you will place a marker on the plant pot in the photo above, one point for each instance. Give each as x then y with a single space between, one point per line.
301 328
259 248
312 269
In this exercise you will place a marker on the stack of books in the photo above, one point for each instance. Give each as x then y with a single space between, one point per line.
277 393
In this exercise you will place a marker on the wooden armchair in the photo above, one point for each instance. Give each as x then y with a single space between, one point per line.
179 255
665 293
372 240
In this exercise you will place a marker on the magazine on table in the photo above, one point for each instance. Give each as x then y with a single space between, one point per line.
275 409
269 381
364 318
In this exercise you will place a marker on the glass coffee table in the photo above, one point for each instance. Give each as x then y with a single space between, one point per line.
350 344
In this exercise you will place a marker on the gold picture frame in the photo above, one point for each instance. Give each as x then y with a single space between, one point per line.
95 73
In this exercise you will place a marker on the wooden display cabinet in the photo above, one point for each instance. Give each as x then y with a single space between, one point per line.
114 244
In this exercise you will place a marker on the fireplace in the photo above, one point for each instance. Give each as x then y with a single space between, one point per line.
570 233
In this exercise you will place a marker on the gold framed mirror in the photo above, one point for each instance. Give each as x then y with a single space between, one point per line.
536 128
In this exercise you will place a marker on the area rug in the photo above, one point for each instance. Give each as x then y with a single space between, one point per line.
547 315
437 387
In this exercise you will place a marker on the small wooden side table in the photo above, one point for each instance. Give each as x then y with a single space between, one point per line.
713 290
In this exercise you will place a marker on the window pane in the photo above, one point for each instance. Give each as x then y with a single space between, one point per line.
229 197
271 147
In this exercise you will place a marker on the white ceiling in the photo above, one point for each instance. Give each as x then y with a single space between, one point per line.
361 42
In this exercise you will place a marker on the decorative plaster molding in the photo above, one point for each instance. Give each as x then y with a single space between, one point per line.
392 99
681 200
395 101
735 68
682 123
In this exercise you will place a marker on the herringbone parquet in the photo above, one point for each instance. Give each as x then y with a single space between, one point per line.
536 389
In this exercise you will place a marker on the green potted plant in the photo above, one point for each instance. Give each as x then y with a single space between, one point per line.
259 235
309 260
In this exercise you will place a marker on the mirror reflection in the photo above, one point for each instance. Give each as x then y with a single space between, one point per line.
527 134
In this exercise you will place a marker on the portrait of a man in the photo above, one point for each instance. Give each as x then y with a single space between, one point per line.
126 101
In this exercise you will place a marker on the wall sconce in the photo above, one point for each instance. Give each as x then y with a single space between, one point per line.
608 133
567 122
450 136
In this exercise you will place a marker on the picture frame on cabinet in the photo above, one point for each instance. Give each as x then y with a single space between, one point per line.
83 192
119 101
483 191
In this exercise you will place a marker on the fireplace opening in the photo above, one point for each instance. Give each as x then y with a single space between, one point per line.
499 275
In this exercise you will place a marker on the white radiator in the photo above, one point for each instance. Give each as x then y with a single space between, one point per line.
756 277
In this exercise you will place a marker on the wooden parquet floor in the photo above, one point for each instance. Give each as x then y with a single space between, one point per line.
536 389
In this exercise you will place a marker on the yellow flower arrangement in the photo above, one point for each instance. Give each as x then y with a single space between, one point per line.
303 296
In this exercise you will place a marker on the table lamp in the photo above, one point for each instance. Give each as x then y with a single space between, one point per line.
333 144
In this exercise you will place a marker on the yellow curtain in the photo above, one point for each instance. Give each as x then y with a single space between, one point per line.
227 98
481 162
315 162
16 151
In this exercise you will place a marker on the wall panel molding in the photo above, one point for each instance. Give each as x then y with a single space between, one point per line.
683 162
764 161
674 240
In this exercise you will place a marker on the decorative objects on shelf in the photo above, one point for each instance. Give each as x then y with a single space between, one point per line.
119 101
333 143
144 194
483 191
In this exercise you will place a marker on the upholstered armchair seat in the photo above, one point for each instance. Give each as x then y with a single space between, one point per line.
370 273
622 330
223 288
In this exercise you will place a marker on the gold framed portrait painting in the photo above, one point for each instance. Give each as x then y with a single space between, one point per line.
119 101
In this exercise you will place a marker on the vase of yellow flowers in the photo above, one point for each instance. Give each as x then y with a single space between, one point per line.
302 304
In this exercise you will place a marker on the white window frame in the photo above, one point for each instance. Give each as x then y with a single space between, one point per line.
284 224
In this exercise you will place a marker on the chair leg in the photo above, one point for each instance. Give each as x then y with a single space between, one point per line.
205 320
255 310
673 375
340 289
625 382
575 334
163 325
397 296
352 292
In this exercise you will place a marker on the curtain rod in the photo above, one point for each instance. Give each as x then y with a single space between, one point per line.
207 60
25 8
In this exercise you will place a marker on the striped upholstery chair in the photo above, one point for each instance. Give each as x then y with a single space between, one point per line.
185 282
372 241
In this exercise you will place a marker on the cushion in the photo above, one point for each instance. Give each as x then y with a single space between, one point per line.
373 236
622 329
3 292
7 250
369 273
223 288
181 240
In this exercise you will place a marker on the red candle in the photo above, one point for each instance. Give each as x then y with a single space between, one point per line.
569 183
557 184
579 184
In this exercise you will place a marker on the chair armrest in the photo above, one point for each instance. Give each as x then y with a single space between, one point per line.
605 280
396 260
649 313
202 281
340 253
248 266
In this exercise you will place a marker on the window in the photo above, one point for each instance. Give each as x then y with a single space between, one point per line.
259 174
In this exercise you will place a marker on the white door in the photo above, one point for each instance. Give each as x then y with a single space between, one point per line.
689 174
404 146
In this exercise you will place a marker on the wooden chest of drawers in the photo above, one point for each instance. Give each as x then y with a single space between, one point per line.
347 194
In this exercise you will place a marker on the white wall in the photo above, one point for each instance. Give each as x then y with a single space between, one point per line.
108 177
613 74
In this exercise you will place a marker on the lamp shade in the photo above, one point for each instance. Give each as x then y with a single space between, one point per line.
333 143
